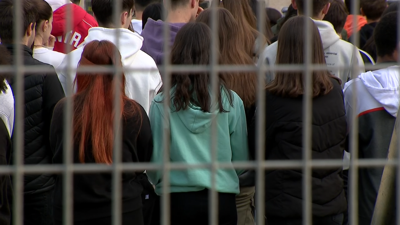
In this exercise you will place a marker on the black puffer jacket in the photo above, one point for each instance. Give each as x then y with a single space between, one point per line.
42 91
284 130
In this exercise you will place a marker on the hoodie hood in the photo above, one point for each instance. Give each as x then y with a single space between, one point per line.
153 35
129 42
348 26
383 85
195 120
55 4
327 32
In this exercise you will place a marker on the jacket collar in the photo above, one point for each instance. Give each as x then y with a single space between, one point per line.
25 49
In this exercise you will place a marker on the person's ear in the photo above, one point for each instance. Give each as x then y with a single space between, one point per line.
193 3
325 10
124 18
294 5
199 10
362 12
29 31
45 25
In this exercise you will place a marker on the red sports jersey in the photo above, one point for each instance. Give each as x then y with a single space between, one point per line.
81 23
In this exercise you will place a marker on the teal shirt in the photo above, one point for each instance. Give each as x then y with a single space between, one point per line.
190 141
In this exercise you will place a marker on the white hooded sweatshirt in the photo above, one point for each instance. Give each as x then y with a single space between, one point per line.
376 107
376 90
7 108
337 52
142 85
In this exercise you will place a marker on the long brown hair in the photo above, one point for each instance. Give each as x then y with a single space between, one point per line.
247 22
93 103
291 51
192 47
254 8
232 52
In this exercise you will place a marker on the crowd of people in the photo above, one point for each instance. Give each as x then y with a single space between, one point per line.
195 114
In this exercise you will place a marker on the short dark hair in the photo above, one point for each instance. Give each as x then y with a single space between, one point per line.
349 6
103 9
317 6
337 15
273 15
7 19
5 59
177 3
154 12
140 5
192 47
43 9
385 35
373 9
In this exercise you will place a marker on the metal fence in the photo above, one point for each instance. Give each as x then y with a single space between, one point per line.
18 169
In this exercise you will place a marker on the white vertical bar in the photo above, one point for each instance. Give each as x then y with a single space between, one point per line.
213 194
261 104
166 72
19 118
353 171
307 116
68 147
116 172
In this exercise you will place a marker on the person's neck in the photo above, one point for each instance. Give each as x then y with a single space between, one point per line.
178 16
319 17
369 21
386 59
38 42
25 41
139 15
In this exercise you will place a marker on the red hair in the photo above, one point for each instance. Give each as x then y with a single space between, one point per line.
93 102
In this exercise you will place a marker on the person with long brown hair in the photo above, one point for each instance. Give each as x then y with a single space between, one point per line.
267 21
244 84
284 132
254 43
338 53
192 109
93 138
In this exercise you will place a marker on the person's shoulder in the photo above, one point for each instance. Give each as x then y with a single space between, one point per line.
89 20
336 82
236 100
345 46
272 47
132 104
145 60
59 108
270 52
72 58
159 98
47 68
349 86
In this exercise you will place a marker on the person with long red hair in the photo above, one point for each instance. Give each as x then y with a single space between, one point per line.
93 139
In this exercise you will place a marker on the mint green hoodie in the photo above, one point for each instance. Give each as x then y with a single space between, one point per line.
190 141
